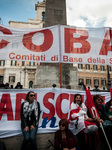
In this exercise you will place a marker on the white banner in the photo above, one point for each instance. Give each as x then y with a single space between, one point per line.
56 44
54 105
86 45
37 45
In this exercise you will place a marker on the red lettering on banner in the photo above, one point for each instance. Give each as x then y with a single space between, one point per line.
27 57
110 60
106 43
6 107
58 105
96 60
71 59
70 40
49 105
54 58
19 98
48 41
4 43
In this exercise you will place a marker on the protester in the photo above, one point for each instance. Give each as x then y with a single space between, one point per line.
104 120
18 86
6 86
80 123
98 101
64 139
30 112
109 113
108 109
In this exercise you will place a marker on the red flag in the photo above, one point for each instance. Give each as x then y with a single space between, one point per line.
110 93
90 104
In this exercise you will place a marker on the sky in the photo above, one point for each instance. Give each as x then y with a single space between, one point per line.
80 13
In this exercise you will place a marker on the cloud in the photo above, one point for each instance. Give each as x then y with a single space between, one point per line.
94 13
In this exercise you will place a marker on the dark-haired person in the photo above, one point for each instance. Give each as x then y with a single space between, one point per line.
108 109
80 123
107 125
30 112
64 139
18 86
78 114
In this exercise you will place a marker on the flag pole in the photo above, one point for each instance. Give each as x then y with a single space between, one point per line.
60 64
60 75
105 136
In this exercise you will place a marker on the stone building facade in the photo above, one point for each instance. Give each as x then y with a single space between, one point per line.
95 76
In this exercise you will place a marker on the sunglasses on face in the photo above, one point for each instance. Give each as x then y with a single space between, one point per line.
32 95
99 100
62 125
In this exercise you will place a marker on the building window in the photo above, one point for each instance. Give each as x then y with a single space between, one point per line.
103 82
87 67
80 66
23 63
109 68
1 79
94 67
11 78
32 64
102 68
88 81
30 84
96 82
80 81
13 63
43 16
2 62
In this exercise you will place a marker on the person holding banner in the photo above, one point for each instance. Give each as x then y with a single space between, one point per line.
80 122
30 112
64 139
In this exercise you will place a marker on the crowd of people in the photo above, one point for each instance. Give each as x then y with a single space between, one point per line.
79 132
84 126
6 86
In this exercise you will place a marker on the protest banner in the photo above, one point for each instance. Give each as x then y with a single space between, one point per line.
54 105
57 44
